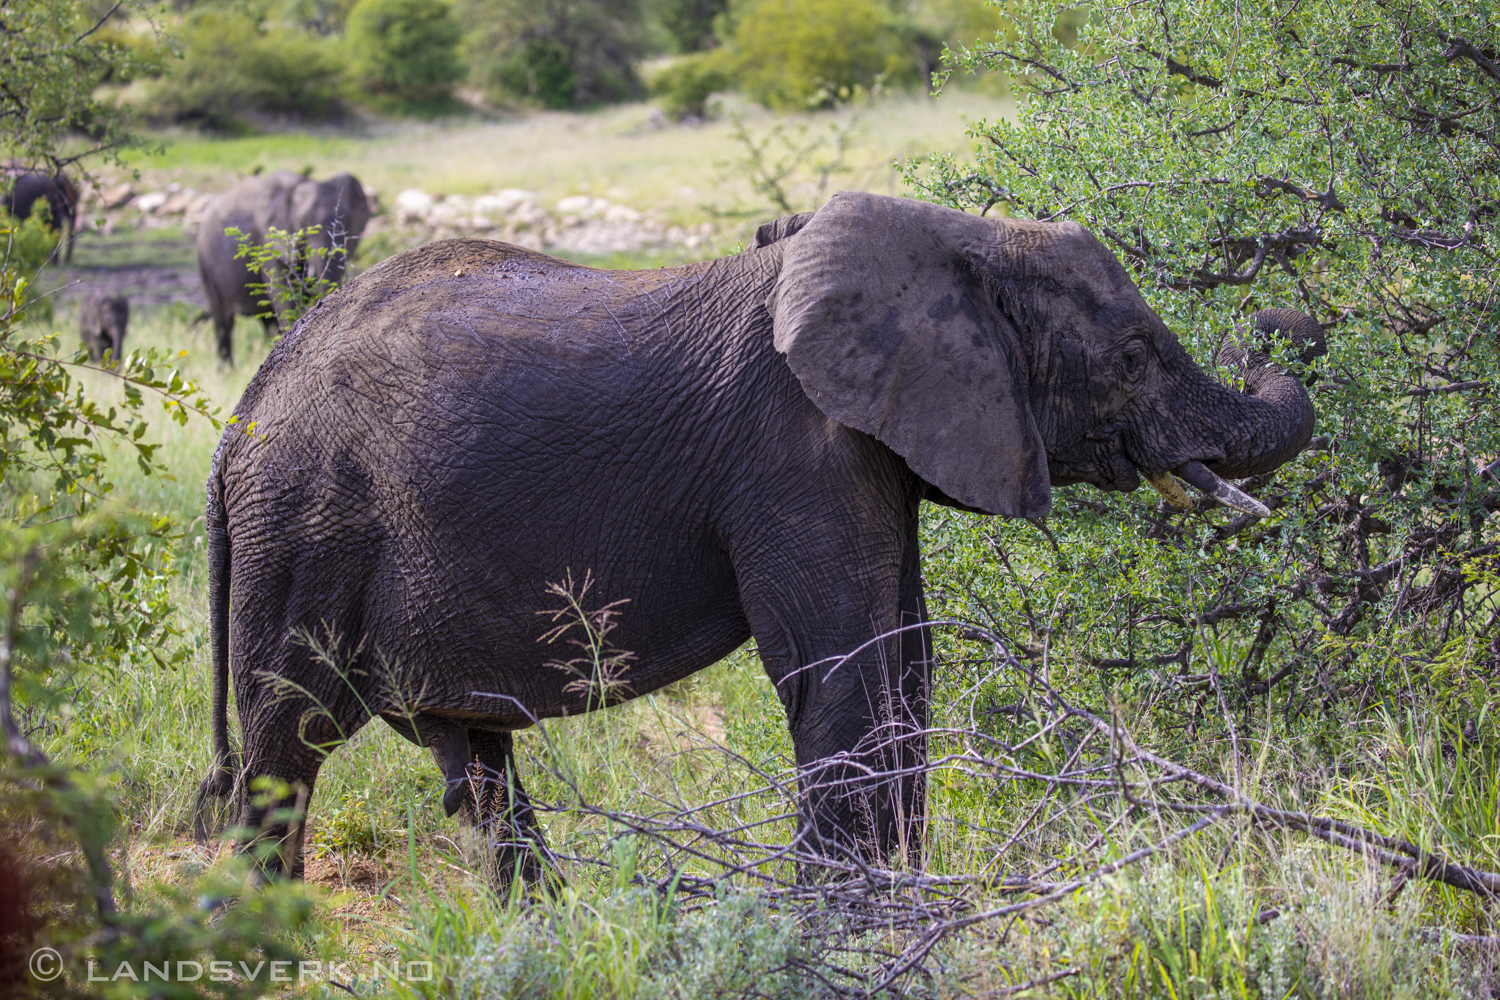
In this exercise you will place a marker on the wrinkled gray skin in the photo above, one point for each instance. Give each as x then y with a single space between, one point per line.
61 197
737 448
288 202
102 319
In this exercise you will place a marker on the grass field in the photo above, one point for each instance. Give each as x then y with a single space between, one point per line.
396 882
620 153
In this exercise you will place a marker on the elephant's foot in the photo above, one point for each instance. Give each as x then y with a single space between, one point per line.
505 835
210 812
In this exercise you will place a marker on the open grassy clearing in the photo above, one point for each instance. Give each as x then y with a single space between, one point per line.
619 152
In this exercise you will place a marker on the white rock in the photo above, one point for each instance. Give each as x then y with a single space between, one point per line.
529 214
504 202
621 213
413 200
151 201
576 205
583 205
177 204
118 196
447 211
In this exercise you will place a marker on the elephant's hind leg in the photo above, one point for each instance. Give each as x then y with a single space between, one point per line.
286 741
498 809
483 787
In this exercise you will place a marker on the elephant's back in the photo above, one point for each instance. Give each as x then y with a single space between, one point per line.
231 208
461 322
472 348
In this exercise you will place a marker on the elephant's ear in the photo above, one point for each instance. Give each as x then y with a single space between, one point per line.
883 313
779 229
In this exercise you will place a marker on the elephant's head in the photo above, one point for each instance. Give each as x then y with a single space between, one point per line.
340 210
999 357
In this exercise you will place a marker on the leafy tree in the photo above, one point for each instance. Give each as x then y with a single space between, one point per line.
556 53
690 23
84 584
53 56
404 51
236 65
685 86
799 55
1339 157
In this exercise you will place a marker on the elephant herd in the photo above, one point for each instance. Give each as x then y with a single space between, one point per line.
331 214
731 449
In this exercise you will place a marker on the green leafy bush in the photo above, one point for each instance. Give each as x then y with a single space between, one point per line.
800 54
1334 157
85 585
542 71
235 68
287 261
28 244
684 87
555 53
404 52
690 23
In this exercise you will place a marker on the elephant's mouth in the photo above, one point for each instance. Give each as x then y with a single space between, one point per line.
1199 475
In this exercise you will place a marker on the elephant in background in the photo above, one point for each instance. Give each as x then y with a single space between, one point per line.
61 197
737 448
285 201
102 319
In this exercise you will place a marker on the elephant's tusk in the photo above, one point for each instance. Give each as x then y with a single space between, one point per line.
1227 494
1168 488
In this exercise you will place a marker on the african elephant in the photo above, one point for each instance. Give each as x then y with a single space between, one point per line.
288 202
737 448
61 197
102 319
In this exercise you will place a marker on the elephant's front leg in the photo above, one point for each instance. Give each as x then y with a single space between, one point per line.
855 688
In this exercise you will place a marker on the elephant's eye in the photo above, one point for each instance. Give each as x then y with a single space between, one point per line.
1132 364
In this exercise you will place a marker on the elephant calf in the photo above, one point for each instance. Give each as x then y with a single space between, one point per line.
102 319
736 448
289 202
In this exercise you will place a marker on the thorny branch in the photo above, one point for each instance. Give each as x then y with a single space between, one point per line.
749 838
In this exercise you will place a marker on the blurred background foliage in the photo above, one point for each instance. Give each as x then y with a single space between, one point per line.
241 65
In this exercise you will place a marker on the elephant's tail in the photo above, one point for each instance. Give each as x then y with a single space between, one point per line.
220 781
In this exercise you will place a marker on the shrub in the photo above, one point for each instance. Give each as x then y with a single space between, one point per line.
798 54
690 23
1342 162
28 244
541 70
234 66
286 262
555 53
683 88
404 52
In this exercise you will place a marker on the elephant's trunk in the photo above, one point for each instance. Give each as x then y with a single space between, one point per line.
1277 417
1263 425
